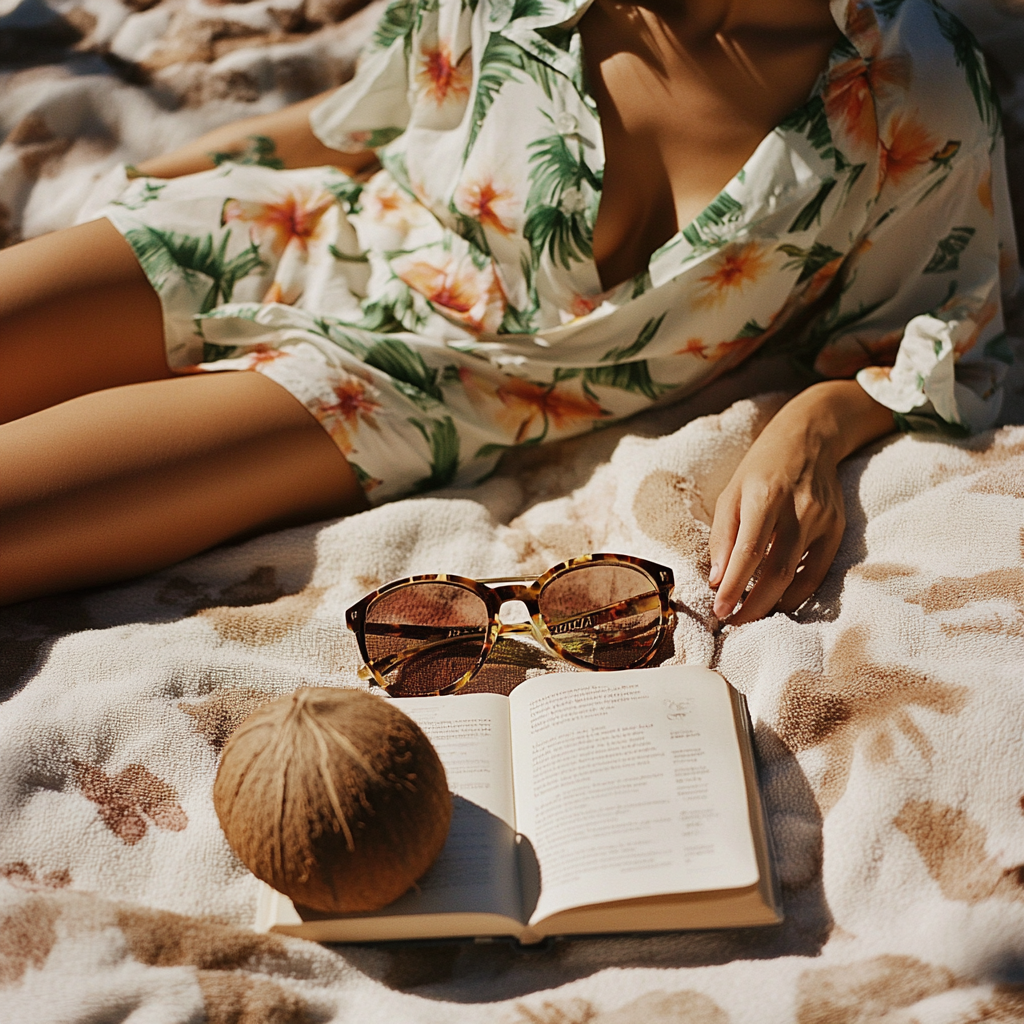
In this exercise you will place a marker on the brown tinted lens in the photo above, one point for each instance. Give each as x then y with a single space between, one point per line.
425 636
607 615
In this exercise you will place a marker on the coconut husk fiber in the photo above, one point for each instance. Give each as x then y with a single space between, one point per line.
334 797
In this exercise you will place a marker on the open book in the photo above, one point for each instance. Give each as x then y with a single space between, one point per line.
611 802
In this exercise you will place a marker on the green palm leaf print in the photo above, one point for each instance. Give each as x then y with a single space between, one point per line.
527 9
500 62
391 312
969 57
633 377
947 253
443 439
554 167
812 121
259 151
704 231
396 22
150 192
810 261
163 252
751 329
562 233
518 321
470 229
643 339
335 330
811 213
557 202
406 368
826 330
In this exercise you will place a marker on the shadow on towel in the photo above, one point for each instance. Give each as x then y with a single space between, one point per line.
246 574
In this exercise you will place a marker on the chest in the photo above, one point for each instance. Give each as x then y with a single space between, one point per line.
682 110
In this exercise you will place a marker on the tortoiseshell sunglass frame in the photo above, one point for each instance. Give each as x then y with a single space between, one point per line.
494 597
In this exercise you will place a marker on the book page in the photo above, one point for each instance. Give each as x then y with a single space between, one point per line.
476 870
630 784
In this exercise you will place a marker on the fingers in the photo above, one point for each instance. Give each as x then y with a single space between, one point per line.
757 524
724 527
793 568
812 571
776 571
801 551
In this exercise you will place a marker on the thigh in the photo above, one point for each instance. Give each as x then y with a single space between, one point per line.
76 315
121 482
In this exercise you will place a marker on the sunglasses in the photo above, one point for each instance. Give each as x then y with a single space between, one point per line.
427 635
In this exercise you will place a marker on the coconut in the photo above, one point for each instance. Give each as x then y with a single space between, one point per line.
334 797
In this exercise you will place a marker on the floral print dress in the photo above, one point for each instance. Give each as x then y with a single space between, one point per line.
450 308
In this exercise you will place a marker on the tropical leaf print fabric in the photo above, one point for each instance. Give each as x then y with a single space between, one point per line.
450 307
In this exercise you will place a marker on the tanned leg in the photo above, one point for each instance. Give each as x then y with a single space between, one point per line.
130 479
110 466
77 314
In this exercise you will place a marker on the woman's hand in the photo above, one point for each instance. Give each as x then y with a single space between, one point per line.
785 499
283 138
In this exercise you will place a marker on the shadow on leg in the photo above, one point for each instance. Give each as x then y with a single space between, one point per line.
124 481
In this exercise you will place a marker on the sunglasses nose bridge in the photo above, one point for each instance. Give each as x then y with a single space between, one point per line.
514 592
523 596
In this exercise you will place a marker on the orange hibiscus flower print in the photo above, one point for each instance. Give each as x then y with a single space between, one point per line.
440 77
557 406
985 192
966 340
736 265
579 307
693 347
387 201
850 92
524 405
861 23
905 145
456 288
262 354
293 221
878 373
735 349
341 416
384 203
286 228
584 305
491 204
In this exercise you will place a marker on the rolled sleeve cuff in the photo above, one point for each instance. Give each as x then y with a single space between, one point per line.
926 386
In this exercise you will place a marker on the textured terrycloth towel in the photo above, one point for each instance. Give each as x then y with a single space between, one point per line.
889 712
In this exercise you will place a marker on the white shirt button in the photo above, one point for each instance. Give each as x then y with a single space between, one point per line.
566 124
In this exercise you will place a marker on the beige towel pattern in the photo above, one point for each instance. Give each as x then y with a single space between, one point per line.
889 710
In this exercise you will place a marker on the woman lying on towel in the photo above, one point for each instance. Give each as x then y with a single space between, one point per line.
521 220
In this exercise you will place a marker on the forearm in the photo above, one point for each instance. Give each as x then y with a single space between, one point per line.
838 417
290 143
